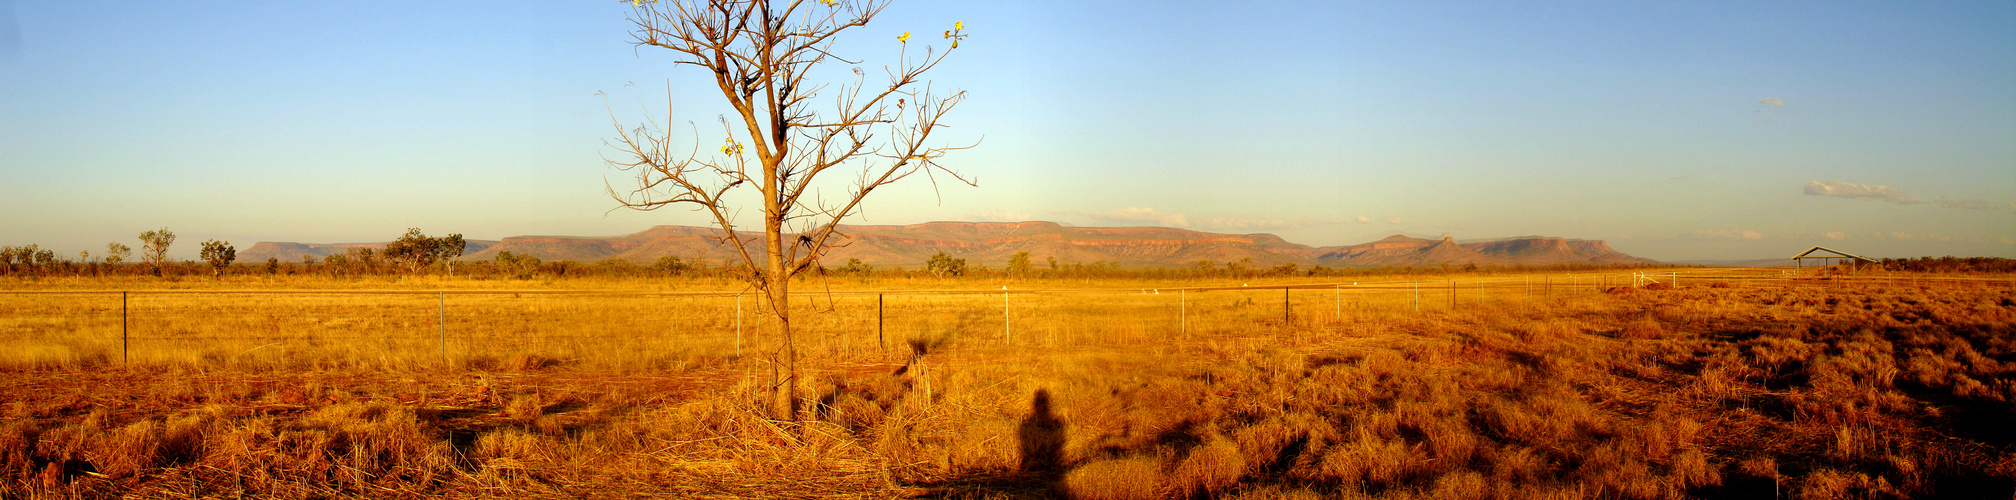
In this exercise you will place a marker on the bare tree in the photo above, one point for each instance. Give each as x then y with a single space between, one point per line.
448 248
116 253
760 54
27 255
7 255
154 247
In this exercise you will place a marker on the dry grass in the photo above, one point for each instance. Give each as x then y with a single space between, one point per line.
1836 391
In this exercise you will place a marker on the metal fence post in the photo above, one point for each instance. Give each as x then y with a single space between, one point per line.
1285 320
878 326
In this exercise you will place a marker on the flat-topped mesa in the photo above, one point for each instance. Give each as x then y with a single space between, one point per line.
294 252
993 243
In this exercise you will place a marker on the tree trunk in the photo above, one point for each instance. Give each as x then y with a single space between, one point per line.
784 404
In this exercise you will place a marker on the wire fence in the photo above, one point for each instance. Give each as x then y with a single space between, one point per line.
310 327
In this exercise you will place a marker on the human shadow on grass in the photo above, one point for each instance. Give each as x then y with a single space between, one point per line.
1041 468
1042 438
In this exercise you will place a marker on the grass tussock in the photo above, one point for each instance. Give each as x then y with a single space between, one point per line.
1693 391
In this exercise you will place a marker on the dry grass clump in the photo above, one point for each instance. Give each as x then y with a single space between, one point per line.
1761 392
1137 478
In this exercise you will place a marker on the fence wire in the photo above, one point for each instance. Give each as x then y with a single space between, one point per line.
414 326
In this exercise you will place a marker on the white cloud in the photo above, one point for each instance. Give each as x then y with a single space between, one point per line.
1729 234
1134 216
1834 235
1393 220
1364 220
1000 216
1859 191
1772 102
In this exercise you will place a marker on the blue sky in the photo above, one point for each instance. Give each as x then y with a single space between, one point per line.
1692 130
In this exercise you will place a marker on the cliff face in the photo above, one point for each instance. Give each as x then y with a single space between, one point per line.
992 243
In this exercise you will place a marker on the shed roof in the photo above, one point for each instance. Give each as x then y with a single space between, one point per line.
1837 255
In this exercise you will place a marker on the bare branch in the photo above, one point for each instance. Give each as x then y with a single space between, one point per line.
761 55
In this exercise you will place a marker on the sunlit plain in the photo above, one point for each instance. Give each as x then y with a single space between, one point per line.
1733 383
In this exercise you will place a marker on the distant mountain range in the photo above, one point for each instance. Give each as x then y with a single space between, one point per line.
992 243
1778 262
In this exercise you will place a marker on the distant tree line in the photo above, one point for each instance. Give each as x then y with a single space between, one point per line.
416 253
1951 265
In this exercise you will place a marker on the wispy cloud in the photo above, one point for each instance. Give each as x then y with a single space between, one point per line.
1728 234
1393 220
1364 220
1834 235
1859 192
1133 216
1772 102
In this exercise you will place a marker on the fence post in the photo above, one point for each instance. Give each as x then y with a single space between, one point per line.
1285 321
1338 290
878 327
1007 332
1417 296
123 356
442 327
1183 312
1452 295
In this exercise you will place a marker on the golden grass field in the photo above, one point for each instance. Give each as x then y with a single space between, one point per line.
1540 386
